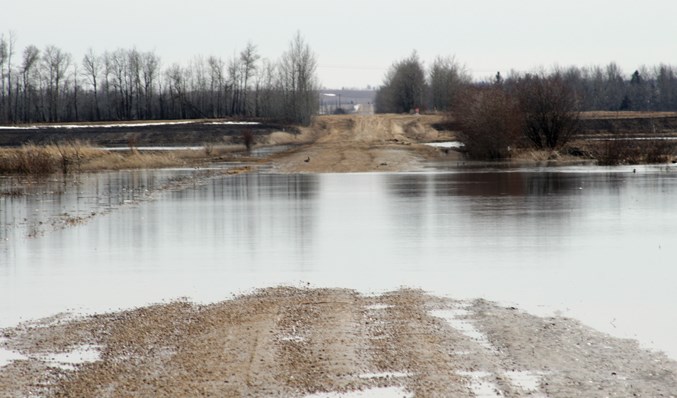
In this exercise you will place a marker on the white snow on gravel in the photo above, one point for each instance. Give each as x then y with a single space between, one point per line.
384 392
8 356
70 360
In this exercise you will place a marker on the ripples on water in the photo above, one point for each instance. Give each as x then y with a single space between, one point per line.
598 244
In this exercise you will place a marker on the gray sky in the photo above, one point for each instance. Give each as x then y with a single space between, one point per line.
356 41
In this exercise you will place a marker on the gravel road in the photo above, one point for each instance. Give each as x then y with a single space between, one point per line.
313 343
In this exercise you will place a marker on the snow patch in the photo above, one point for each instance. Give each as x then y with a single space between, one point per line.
377 307
9 356
89 126
233 123
294 338
449 144
70 360
384 392
384 375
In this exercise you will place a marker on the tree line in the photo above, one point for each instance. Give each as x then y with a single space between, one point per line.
408 85
525 110
49 85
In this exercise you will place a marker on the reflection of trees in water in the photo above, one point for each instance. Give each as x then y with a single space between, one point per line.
266 186
408 185
267 209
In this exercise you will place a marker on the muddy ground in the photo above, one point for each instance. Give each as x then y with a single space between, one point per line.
301 342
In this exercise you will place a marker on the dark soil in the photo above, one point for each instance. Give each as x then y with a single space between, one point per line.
193 133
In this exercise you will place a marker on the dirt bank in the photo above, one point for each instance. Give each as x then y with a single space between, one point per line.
359 143
306 342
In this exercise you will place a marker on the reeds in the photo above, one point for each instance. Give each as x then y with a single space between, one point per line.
75 156
633 151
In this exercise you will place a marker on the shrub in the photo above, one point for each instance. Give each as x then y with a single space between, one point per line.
248 139
490 122
550 110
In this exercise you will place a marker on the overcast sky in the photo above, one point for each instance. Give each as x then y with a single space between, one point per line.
356 41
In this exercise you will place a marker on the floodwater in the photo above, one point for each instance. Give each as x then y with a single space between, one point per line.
597 244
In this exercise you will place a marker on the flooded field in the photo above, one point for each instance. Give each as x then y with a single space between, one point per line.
596 244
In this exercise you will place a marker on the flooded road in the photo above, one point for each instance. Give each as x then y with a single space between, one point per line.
596 244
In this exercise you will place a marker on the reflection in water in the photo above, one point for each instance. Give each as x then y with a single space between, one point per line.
598 243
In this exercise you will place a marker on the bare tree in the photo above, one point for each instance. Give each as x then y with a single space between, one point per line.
91 64
55 63
216 86
490 122
31 58
150 68
550 110
403 88
234 84
298 81
447 79
248 58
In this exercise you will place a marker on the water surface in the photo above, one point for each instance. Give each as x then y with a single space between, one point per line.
597 244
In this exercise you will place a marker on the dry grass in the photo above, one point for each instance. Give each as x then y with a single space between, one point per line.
625 115
75 156
37 160
624 151
133 160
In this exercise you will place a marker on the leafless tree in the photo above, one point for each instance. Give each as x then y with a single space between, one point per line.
149 70
55 63
31 58
7 48
216 86
403 88
248 59
447 79
490 122
298 80
550 109
91 64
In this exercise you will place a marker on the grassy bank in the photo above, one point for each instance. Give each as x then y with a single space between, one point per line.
76 156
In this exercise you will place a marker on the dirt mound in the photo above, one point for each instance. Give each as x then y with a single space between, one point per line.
358 143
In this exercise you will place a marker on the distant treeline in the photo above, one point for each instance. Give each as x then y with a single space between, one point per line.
48 85
408 85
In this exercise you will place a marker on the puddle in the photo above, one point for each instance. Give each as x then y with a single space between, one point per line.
447 144
383 392
70 360
63 360
454 317
9 356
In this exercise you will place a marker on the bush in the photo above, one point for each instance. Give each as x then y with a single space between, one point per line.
490 122
248 139
550 110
